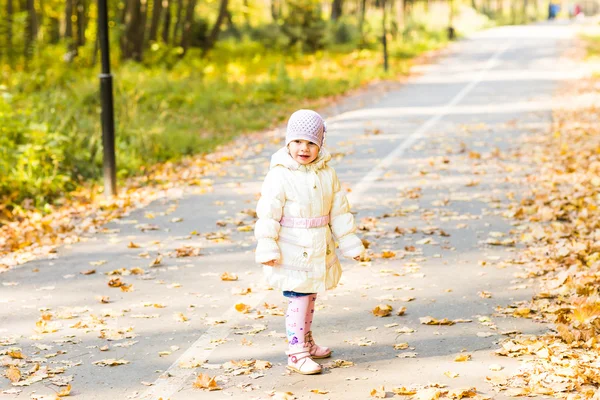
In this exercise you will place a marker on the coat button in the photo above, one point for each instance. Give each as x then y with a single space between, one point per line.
305 254
328 252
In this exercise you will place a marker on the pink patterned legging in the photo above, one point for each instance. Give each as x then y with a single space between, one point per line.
299 317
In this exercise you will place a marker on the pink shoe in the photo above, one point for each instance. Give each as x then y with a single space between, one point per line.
299 360
316 351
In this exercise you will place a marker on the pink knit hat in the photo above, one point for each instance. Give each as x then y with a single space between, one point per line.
307 125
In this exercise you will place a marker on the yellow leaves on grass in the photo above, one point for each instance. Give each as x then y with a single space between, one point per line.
206 382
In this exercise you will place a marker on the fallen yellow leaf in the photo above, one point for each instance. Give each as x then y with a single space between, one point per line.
13 374
204 381
243 308
462 357
402 391
64 392
226 276
382 310
378 393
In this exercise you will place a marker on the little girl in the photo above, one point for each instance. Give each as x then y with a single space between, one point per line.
301 210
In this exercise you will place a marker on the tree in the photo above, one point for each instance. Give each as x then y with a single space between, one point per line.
132 42
157 7
166 21
336 9
69 22
399 17
9 31
216 29
31 28
187 26
82 20
176 32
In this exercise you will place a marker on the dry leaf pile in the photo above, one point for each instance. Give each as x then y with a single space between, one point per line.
560 229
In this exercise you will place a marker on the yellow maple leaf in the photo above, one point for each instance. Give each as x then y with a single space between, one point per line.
204 381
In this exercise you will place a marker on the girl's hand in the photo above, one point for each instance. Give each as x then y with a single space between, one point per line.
271 263
357 258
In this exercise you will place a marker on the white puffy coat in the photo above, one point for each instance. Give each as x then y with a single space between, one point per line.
307 260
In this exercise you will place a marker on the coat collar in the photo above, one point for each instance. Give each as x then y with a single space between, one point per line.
282 157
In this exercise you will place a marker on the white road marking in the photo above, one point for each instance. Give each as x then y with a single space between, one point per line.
175 376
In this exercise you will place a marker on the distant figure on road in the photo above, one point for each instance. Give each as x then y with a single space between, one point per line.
553 10
301 209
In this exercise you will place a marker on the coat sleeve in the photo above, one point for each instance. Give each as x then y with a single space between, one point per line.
269 211
342 222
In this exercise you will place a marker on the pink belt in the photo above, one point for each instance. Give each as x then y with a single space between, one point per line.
291 222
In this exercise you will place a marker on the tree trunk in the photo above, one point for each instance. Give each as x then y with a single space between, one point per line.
157 7
399 18
187 26
336 9
140 35
9 31
81 21
274 13
525 16
133 21
177 32
69 20
214 33
361 18
31 28
166 21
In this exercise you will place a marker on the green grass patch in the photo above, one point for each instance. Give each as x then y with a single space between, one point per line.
50 117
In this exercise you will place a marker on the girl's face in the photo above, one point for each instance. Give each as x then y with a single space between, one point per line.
303 151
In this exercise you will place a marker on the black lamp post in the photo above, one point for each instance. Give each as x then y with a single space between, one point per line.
106 91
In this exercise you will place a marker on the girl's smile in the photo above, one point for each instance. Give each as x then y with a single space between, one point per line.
303 151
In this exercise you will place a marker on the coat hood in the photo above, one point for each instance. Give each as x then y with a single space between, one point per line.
282 157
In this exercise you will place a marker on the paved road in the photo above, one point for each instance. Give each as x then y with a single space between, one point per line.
430 178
